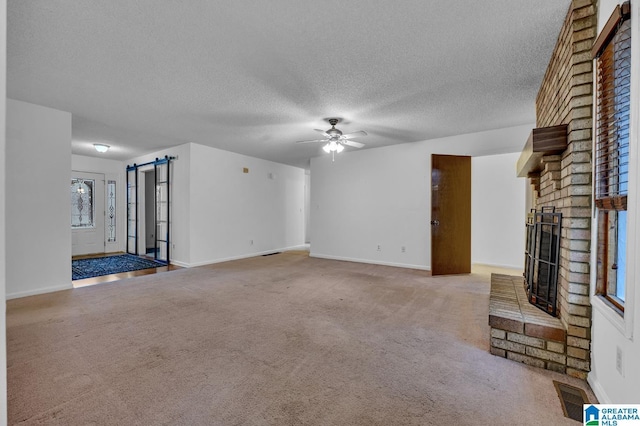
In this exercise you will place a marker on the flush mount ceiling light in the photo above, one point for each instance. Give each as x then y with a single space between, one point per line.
100 147
335 139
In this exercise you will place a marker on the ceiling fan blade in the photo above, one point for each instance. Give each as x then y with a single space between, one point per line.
324 132
354 135
353 144
313 141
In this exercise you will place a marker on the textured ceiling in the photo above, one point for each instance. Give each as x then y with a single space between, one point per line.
253 77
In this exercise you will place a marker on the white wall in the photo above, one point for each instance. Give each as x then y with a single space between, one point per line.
230 209
112 170
382 197
3 189
498 211
82 163
37 199
217 210
609 330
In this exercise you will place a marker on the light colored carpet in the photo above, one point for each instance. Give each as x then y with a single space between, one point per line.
276 340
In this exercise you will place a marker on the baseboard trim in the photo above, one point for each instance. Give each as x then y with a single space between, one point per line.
179 263
597 389
38 291
372 262
239 257
497 265
305 247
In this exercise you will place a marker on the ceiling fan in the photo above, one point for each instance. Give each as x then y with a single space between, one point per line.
335 139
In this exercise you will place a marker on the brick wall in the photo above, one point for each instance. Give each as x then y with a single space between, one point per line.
542 353
565 97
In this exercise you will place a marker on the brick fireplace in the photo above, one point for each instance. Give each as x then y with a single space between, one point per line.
561 180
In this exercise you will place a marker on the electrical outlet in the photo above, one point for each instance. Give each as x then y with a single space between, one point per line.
619 359
403 249
379 247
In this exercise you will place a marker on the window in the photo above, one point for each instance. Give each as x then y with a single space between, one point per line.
82 208
612 51
111 211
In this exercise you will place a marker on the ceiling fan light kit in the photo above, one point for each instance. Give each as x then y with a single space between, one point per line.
333 147
335 139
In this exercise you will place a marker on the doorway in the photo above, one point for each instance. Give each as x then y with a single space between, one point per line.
450 214
149 212
148 209
87 213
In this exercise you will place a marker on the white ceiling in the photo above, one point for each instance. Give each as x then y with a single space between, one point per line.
253 76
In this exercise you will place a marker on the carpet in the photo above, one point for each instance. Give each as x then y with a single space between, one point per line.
271 340
88 268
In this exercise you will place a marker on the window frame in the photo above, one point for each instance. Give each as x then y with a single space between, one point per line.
610 197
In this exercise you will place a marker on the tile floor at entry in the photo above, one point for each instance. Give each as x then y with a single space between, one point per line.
120 276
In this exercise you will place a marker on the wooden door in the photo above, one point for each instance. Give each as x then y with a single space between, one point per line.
450 214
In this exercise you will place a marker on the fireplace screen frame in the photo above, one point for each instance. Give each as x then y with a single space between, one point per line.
542 254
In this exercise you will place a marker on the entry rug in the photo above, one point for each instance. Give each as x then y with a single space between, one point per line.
88 268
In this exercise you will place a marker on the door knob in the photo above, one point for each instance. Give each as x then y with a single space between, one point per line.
435 222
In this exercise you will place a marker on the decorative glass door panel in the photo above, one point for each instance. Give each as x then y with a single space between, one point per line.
111 211
82 208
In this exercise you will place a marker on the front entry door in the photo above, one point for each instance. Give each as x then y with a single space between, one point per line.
450 214
87 213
